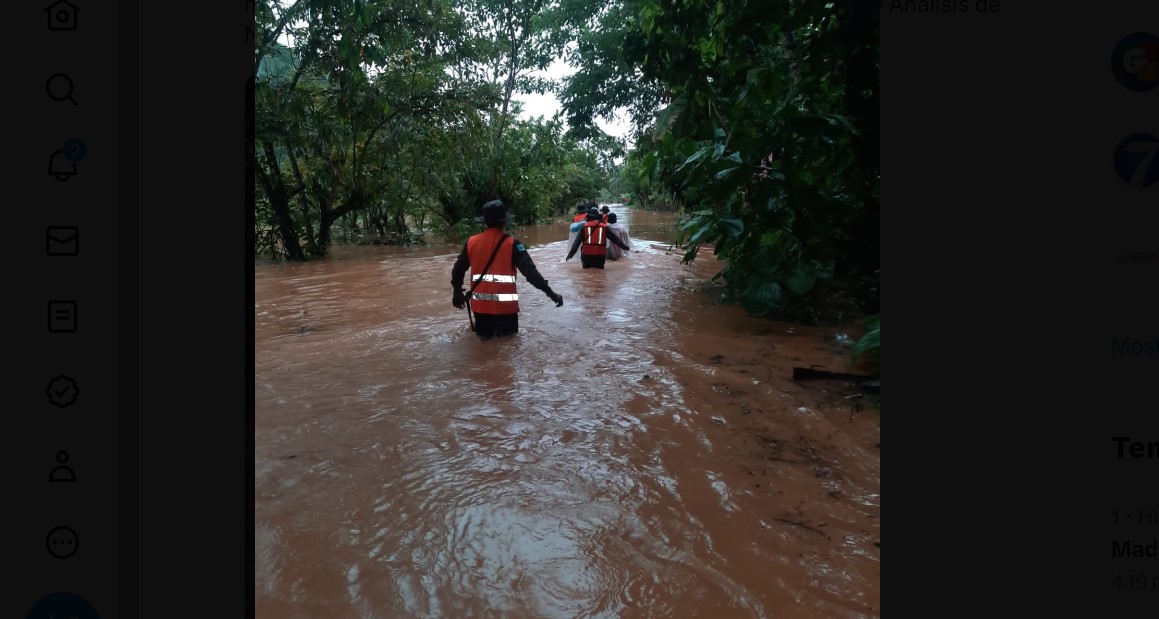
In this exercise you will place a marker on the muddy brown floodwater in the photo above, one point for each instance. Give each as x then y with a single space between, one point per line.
638 452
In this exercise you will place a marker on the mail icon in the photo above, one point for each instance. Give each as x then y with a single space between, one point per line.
63 240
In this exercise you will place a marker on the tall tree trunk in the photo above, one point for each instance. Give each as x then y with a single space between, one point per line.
327 215
400 222
508 90
303 201
355 201
380 222
324 226
280 202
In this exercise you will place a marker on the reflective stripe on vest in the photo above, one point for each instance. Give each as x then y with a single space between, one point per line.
595 243
483 296
495 291
503 279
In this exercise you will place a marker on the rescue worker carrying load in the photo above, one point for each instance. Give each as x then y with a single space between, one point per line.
580 218
493 257
594 237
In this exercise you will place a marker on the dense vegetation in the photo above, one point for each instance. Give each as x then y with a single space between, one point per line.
388 119
756 119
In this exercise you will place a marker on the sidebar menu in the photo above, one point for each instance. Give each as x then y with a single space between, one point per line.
63 462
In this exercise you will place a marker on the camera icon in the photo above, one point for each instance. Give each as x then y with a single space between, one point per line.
62 15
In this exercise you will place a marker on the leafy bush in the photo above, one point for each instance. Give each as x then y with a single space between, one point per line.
869 346
765 136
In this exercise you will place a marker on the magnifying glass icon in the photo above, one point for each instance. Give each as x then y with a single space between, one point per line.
63 88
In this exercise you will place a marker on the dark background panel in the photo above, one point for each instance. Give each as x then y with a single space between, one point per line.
1002 218
195 447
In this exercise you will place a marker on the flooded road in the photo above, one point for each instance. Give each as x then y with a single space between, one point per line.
638 452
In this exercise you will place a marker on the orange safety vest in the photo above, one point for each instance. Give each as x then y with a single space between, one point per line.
595 239
604 219
495 294
579 217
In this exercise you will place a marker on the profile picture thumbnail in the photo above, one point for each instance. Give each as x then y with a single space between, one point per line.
1135 62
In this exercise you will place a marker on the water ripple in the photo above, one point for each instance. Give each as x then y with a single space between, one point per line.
406 469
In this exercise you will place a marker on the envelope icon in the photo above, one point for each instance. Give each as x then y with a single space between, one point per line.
63 240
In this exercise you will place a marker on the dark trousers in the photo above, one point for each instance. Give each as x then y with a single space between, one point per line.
592 262
488 326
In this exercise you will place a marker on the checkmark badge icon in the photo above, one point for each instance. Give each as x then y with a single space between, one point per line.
62 391
63 240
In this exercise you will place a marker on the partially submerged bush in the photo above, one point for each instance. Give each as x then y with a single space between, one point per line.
868 348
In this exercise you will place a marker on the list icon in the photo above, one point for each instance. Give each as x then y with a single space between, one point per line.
62 316
63 240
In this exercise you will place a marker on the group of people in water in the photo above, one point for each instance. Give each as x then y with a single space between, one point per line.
494 257
601 238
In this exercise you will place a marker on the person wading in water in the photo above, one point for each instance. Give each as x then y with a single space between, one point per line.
619 230
581 213
594 237
493 257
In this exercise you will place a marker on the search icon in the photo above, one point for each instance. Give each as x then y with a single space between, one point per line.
60 94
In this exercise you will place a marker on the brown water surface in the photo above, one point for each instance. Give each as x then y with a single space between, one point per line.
638 452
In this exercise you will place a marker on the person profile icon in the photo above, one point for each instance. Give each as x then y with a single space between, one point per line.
62 472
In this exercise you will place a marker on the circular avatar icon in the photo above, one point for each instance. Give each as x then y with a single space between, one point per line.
1137 160
63 605
1135 62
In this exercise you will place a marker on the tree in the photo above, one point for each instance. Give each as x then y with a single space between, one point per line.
759 119
383 119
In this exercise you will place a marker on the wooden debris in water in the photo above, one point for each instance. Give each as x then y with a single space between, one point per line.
803 525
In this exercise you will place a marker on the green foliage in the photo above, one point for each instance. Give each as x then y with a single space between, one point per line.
752 117
869 346
756 119
386 121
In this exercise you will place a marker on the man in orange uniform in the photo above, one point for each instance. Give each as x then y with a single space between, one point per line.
493 257
581 213
605 210
594 237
